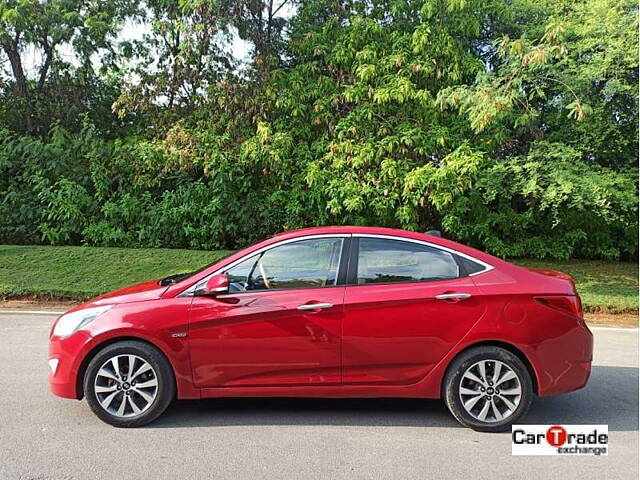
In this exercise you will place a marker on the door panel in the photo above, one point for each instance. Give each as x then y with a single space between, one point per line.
280 324
262 339
396 333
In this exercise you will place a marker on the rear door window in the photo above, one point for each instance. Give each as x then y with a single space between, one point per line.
395 261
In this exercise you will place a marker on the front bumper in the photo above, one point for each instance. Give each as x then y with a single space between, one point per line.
69 353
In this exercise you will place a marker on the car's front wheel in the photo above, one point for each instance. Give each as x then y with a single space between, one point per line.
488 388
129 384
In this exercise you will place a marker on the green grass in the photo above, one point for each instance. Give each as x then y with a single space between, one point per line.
84 272
78 273
603 286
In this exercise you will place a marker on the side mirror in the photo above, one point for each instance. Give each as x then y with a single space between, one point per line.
216 285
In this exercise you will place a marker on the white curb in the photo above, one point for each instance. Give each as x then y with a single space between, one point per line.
29 312
615 329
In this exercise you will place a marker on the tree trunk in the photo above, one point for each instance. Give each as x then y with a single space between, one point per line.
11 49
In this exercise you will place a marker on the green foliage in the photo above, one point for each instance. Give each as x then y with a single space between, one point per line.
548 204
512 125
572 78
82 189
64 37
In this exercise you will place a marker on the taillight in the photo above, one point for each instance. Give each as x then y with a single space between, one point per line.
565 303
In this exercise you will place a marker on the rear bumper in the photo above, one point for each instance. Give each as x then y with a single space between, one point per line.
557 376
574 378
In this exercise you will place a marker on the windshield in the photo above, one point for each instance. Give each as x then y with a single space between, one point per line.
178 277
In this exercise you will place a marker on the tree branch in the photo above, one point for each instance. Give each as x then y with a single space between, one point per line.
44 70
278 9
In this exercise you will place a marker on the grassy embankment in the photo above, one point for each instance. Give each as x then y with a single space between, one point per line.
77 273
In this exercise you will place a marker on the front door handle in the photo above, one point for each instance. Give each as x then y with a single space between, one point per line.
453 297
315 306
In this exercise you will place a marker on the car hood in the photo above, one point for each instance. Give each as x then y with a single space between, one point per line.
149 290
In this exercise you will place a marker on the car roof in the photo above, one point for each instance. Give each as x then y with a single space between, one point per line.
347 229
394 232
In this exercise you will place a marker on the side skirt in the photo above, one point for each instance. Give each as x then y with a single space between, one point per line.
333 391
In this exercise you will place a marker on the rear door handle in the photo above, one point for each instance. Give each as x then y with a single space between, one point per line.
456 297
315 306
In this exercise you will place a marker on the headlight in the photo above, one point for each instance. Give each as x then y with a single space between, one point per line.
70 322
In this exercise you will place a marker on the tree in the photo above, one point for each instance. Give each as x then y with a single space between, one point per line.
571 78
263 23
64 34
361 96
179 58
511 125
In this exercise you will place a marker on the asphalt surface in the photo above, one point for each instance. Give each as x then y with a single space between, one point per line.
45 437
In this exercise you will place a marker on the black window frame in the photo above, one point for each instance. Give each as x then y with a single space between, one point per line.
460 260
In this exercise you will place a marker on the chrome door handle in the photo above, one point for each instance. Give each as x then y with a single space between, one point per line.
315 306
453 296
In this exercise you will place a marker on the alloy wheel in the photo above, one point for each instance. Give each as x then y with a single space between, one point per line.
126 385
490 391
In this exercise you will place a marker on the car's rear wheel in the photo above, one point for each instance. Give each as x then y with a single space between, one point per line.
129 384
488 388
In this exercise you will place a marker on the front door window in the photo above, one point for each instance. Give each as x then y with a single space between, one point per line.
303 264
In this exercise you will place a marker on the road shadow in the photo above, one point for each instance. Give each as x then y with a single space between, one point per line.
610 398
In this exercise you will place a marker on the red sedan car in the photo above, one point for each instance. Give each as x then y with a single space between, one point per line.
330 312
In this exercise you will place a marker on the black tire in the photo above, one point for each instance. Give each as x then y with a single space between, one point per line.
452 385
162 371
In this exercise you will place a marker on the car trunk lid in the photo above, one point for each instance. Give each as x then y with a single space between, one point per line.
556 274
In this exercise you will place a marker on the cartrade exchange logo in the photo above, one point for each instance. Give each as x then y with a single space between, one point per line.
560 440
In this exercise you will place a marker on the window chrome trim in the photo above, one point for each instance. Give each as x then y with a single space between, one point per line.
486 266
190 291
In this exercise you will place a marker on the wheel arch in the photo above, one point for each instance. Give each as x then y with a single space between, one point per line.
82 370
495 343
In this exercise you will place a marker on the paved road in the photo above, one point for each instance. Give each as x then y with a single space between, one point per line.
44 437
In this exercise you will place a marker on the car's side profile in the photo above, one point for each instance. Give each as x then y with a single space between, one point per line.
330 312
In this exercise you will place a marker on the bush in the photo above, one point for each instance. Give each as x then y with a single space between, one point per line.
548 204
79 189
